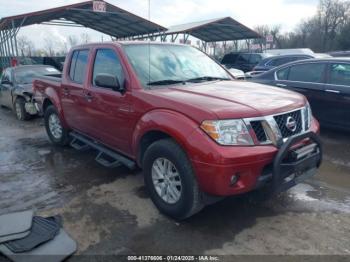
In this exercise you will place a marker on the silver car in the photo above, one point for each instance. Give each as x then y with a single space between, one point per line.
16 88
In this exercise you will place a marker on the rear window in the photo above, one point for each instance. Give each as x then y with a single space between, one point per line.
229 59
78 66
243 58
255 59
340 74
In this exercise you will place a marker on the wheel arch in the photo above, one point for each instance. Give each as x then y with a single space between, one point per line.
161 124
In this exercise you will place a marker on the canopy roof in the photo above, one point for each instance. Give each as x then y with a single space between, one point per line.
215 30
111 20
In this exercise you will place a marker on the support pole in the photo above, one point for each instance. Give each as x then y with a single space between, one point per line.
2 51
7 47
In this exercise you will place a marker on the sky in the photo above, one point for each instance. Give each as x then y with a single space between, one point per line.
287 13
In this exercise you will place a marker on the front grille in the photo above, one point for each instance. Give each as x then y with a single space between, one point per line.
259 131
281 121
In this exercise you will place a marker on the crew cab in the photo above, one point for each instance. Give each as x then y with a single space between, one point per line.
173 111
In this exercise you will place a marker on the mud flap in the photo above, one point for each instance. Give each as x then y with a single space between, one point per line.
293 165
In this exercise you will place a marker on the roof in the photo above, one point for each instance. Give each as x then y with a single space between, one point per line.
215 30
114 21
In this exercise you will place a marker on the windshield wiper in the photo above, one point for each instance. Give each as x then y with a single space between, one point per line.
206 78
165 82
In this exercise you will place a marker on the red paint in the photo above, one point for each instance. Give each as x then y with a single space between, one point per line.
121 120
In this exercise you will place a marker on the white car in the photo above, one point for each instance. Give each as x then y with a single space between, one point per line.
236 73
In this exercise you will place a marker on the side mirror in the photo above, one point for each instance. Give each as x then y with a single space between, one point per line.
108 81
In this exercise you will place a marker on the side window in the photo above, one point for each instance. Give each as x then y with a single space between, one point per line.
311 73
243 58
72 64
340 74
283 74
107 62
78 67
255 59
6 76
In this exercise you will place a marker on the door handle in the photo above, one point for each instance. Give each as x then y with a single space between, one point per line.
332 91
281 85
88 97
65 91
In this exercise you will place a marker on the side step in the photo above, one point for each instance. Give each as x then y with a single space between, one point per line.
106 156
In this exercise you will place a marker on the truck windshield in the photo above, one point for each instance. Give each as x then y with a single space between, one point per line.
157 64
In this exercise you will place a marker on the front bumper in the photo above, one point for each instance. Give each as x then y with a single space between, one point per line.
256 166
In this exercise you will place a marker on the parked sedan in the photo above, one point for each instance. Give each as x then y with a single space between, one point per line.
325 82
16 88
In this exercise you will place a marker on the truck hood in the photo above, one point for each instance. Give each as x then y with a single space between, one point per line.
232 99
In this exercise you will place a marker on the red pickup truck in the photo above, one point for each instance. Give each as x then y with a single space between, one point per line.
173 111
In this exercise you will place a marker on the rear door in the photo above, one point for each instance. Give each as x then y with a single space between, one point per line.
6 87
337 92
308 79
72 92
109 112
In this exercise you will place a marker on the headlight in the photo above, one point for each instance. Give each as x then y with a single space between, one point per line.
228 132
308 116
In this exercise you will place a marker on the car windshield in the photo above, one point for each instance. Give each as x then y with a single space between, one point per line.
157 64
26 75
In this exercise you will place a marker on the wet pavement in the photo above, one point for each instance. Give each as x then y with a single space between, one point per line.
108 211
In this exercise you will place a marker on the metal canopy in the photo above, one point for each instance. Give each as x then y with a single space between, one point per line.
114 21
215 30
98 15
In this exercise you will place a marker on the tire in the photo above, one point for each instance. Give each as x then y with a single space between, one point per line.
57 134
189 199
20 110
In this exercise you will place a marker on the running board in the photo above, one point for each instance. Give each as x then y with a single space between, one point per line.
106 157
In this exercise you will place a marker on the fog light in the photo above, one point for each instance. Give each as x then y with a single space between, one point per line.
234 179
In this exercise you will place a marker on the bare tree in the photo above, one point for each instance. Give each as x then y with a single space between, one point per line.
85 38
49 46
25 46
72 40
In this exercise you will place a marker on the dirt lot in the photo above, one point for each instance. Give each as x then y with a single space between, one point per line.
108 211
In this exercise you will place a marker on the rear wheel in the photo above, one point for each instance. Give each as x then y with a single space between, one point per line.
57 133
170 180
20 109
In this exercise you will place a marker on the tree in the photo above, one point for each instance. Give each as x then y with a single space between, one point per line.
85 38
49 46
72 40
25 46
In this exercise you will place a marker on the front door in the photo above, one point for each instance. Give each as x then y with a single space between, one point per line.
109 111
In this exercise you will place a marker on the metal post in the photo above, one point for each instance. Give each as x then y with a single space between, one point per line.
15 38
2 54
7 48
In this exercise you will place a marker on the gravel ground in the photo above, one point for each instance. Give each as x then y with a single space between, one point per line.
108 211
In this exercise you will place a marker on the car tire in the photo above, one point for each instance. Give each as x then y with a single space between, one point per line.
189 198
57 134
20 110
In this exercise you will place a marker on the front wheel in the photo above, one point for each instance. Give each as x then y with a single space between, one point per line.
170 180
57 133
20 109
